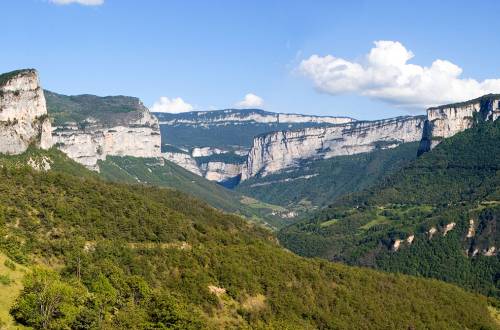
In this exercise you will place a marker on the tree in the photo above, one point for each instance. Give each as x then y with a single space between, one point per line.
46 302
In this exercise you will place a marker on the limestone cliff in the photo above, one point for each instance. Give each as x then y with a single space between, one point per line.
213 170
221 171
23 113
447 120
114 126
184 160
276 151
224 117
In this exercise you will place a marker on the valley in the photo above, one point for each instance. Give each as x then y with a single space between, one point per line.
131 230
249 165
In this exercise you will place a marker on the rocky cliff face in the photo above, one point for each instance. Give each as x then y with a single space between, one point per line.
447 120
184 160
23 113
220 171
278 150
132 133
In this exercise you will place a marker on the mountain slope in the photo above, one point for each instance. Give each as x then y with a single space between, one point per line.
124 256
437 217
162 173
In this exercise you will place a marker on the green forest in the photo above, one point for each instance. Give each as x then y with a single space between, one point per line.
108 255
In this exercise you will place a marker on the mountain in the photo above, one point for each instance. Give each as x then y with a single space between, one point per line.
127 257
23 113
230 146
277 151
89 128
215 144
436 217
119 138
231 129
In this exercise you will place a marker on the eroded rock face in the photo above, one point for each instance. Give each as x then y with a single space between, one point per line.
276 151
92 140
183 160
490 252
448 228
220 171
396 245
213 170
471 231
23 113
448 120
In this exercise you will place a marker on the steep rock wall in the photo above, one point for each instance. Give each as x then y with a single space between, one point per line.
276 151
447 120
23 113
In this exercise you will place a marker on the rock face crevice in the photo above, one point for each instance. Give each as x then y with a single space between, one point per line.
276 151
23 113
447 120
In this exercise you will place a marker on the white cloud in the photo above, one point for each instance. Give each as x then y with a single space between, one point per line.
250 101
386 74
80 2
174 105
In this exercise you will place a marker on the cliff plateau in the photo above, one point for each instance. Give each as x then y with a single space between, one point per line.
112 126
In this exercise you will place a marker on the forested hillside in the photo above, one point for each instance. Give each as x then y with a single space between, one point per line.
162 173
436 217
116 256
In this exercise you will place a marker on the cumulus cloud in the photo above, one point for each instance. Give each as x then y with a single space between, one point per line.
80 2
174 105
250 101
385 74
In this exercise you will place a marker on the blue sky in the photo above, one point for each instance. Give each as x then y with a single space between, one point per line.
212 53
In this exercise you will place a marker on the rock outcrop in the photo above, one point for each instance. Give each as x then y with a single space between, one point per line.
447 120
221 171
184 160
276 151
133 133
448 228
218 171
23 113
471 231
